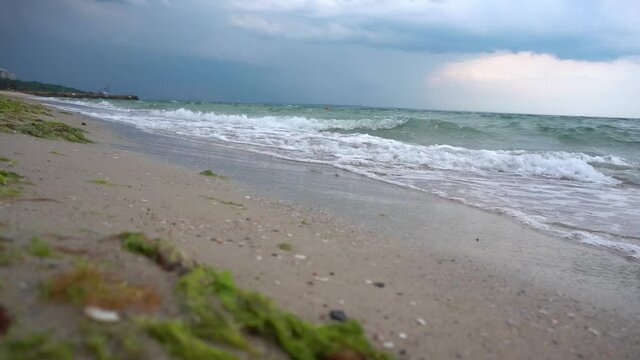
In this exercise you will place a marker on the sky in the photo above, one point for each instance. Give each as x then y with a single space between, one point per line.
569 57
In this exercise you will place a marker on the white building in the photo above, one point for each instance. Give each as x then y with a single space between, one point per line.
5 74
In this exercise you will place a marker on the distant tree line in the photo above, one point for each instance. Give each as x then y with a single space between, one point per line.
19 85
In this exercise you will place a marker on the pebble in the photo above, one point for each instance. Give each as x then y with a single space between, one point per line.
301 257
338 315
379 284
101 315
402 335
388 345
594 331
421 321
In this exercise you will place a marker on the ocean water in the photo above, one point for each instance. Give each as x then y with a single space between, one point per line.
574 177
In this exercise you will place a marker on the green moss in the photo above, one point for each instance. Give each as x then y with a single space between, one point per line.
18 116
39 248
102 182
35 347
113 341
181 343
285 246
212 174
160 251
224 202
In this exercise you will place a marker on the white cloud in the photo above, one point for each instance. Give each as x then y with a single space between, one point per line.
538 83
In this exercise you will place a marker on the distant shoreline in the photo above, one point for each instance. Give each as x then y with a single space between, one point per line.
81 95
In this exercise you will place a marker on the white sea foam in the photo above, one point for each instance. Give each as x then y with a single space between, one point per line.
288 122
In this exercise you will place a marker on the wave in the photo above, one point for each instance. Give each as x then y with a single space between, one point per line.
556 165
311 138
292 122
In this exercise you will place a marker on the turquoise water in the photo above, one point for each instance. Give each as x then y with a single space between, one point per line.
575 177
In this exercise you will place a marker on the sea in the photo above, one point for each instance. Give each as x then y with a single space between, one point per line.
574 177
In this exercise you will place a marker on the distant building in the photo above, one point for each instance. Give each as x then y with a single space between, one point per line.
5 74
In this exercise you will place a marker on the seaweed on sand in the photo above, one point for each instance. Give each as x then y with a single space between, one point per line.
18 116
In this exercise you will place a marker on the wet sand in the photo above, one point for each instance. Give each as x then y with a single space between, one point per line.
461 283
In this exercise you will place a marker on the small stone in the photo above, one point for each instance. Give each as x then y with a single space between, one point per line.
300 257
388 345
594 331
402 335
368 282
421 322
338 315
379 284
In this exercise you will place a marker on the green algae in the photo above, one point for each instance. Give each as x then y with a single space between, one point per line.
39 248
113 341
7 177
35 347
197 292
212 174
9 192
160 251
256 313
180 342
285 246
102 182
8 182
9 162
18 116
13 107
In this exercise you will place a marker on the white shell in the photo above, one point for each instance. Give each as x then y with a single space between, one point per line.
101 315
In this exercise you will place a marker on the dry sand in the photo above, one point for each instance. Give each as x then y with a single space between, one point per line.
428 306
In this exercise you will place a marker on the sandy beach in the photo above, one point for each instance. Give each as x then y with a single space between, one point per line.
416 302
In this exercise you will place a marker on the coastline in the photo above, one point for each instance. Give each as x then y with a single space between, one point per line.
472 307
